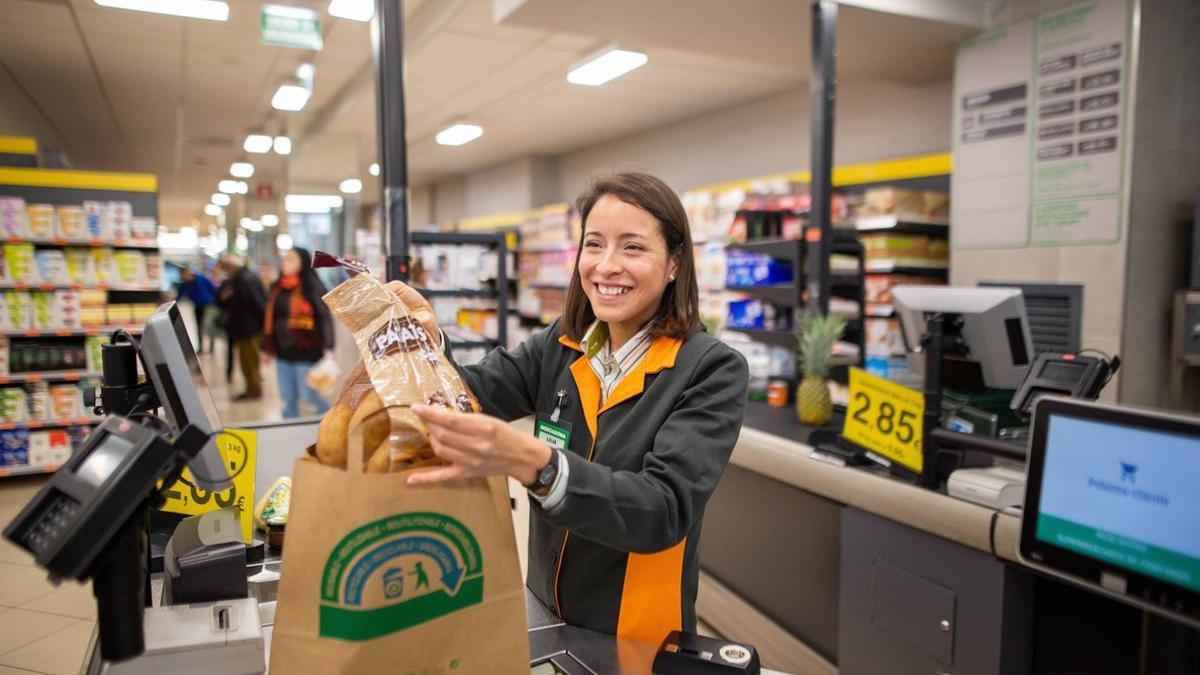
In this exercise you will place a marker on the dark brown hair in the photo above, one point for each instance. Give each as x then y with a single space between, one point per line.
678 313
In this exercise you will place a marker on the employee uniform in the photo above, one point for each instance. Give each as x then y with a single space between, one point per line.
613 547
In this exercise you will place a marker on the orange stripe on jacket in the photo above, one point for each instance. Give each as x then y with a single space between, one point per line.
652 598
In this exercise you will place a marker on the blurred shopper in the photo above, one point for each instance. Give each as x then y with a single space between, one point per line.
242 301
298 330
200 291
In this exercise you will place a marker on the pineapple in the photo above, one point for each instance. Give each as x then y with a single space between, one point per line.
816 350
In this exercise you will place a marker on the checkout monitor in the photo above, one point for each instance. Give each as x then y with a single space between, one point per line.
1112 504
995 330
182 389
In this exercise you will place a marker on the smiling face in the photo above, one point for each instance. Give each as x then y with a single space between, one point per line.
624 265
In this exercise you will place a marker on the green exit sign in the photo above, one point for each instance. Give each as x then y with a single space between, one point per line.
285 26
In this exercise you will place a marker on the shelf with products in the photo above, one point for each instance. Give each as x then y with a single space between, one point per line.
915 267
48 376
7 471
147 244
50 423
450 275
904 224
134 329
9 286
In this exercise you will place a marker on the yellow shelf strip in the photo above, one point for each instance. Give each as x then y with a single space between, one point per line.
79 180
18 145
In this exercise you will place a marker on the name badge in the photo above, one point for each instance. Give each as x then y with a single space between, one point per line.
557 436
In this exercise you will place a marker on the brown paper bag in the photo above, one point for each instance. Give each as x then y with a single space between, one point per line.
380 577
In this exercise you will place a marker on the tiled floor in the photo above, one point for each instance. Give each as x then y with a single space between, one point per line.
46 629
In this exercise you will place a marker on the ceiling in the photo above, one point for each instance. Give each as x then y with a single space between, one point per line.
150 93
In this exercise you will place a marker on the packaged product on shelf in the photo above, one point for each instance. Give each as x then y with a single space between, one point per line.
69 304
130 268
884 336
14 405
755 269
14 447
39 448
47 314
72 224
19 263
746 314
93 217
41 221
77 435
142 311
120 314
4 360
902 202
39 400
81 267
154 267
18 311
878 288
65 401
13 218
102 265
92 346
118 220
145 230
52 266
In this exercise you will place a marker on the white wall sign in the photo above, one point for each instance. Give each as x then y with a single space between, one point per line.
1040 120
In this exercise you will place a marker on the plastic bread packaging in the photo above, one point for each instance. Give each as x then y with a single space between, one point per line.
400 367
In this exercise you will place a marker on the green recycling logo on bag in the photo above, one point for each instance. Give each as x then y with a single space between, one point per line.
397 572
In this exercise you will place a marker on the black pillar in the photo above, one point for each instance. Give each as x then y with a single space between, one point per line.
387 46
823 92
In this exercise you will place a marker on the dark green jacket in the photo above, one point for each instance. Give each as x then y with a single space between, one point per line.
620 553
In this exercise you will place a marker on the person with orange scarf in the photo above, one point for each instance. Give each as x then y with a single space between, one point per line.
297 330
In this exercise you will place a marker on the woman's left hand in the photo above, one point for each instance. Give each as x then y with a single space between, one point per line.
477 446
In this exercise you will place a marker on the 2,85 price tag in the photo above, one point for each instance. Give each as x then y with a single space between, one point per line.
885 418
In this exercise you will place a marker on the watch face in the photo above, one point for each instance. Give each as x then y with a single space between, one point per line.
546 475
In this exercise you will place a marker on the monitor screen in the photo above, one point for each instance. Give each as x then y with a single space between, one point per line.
103 460
1123 495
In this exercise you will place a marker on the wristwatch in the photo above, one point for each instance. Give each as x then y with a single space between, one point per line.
546 474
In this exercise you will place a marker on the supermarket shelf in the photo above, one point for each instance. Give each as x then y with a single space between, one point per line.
456 293
548 284
43 424
6 471
65 375
79 287
789 248
93 243
880 310
845 280
69 332
906 224
549 247
781 338
787 295
889 266
485 343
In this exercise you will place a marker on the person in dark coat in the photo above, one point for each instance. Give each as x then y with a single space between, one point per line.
242 301
297 330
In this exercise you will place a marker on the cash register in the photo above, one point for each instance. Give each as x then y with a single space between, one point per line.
88 521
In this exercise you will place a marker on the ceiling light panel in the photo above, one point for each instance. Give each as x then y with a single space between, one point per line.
241 170
211 10
283 145
354 10
290 98
607 67
459 134
257 143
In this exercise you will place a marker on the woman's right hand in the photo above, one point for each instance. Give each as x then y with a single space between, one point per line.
420 309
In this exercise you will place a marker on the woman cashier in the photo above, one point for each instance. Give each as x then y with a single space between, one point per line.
637 411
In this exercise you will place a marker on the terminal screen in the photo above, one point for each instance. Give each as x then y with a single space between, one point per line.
1123 495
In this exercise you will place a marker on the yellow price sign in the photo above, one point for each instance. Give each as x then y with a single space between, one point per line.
238 450
885 418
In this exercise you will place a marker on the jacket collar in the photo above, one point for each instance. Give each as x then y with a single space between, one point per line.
662 353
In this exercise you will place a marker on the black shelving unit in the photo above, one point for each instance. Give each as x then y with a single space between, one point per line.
497 241
850 286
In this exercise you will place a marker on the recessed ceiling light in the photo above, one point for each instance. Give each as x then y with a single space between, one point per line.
354 10
220 199
251 225
283 145
351 186
243 187
459 134
241 169
290 97
228 186
257 143
373 169
311 203
212 10
283 241
269 219
608 66
212 210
